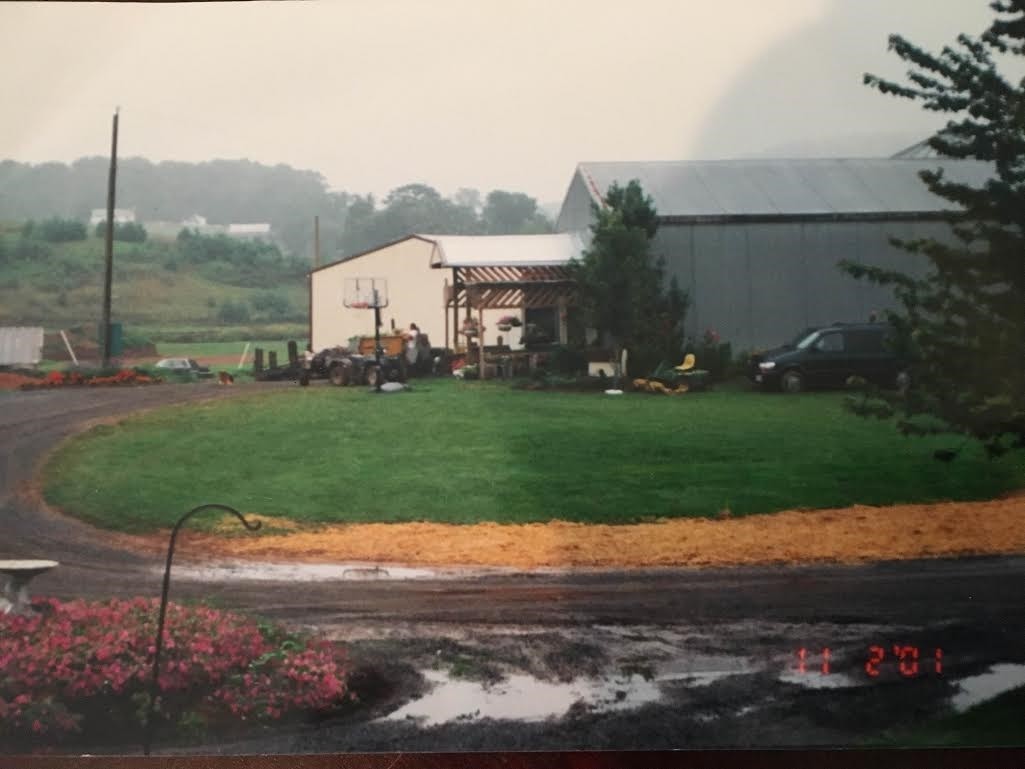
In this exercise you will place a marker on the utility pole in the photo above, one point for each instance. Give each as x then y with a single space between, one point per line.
316 242
109 246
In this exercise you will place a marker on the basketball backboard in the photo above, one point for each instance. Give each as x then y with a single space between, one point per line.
365 293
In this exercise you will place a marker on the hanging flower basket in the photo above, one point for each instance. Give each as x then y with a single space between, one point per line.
504 327
471 329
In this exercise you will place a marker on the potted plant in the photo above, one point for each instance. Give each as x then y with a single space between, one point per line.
508 323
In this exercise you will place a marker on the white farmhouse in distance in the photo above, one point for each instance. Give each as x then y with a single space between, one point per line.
250 231
121 216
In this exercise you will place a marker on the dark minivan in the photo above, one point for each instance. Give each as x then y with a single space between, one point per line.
827 357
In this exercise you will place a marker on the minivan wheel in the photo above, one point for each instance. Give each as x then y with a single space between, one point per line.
792 382
902 382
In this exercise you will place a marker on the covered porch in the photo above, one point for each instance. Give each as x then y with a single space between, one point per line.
536 299
505 294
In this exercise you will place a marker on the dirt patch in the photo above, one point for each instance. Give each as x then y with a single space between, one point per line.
843 535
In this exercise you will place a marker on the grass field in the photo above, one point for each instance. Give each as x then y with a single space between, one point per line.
462 453
64 287
201 350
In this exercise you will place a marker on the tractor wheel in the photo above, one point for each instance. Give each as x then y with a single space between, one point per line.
792 382
339 375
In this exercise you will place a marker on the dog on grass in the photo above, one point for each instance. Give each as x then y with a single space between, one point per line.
225 378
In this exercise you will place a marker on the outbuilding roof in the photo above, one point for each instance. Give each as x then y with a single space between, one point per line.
504 250
786 187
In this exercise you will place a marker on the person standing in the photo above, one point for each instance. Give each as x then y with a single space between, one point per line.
412 344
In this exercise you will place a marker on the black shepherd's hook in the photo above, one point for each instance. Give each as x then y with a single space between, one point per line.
159 645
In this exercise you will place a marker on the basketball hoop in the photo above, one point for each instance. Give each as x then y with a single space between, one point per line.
369 294
365 293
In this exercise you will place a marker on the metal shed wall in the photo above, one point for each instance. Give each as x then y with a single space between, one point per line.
756 243
759 283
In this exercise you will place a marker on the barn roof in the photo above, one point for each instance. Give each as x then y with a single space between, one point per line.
786 187
504 250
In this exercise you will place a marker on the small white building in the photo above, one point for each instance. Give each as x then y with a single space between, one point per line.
261 231
21 345
121 216
436 281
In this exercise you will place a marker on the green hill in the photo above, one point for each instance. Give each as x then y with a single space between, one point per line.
166 287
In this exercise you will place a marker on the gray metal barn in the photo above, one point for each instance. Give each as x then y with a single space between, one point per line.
755 243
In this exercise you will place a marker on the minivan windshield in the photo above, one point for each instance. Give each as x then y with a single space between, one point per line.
805 339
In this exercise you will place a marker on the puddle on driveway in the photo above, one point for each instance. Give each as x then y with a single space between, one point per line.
703 669
819 681
307 572
994 682
526 698
523 698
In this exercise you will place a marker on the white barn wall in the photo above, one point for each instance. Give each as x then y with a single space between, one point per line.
414 293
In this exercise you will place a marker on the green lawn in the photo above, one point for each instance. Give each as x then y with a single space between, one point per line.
461 453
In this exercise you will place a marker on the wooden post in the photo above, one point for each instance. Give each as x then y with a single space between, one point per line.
108 251
445 298
480 337
67 344
563 320
272 359
293 351
455 309
258 360
245 352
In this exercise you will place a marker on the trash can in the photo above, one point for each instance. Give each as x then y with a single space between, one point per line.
117 343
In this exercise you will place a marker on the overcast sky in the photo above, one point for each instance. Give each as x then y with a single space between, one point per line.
506 94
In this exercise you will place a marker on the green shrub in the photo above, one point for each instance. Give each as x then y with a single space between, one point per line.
233 312
30 249
567 361
272 305
134 339
55 230
713 355
126 232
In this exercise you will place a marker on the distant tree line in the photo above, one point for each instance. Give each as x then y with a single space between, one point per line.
128 232
241 191
55 230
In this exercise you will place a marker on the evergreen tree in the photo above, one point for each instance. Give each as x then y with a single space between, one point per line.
620 285
964 323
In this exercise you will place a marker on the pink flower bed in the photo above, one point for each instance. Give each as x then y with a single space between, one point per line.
85 667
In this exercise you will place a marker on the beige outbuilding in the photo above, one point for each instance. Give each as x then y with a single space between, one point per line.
437 281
